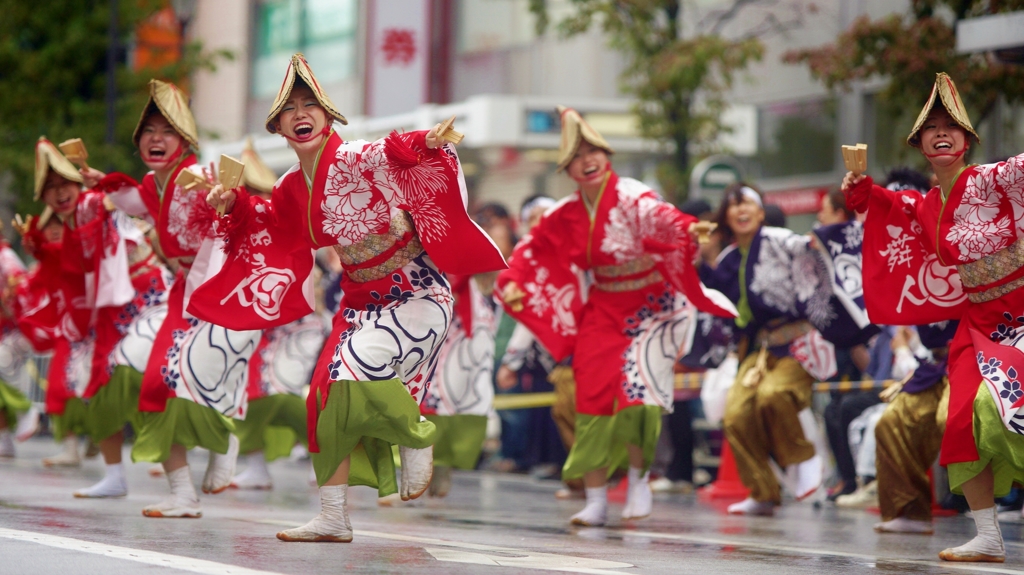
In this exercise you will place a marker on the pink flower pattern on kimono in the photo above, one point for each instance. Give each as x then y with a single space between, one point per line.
352 210
975 230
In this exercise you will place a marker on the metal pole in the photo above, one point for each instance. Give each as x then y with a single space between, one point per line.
111 69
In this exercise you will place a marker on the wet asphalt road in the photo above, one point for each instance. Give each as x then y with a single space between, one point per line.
490 524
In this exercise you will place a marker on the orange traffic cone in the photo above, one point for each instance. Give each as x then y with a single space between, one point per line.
617 494
728 484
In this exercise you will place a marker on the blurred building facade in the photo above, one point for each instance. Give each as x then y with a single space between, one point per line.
407 64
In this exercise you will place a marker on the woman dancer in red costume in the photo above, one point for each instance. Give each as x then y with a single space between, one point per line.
394 210
973 220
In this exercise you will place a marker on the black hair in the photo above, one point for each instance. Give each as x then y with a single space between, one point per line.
695 207
731 196
490 211
837 199
774 216
908 179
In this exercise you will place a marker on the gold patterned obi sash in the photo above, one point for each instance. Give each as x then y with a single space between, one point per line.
633 275
995 275
139 254
378 255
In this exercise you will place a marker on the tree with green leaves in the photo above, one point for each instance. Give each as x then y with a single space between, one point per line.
908 50
53 57
680 81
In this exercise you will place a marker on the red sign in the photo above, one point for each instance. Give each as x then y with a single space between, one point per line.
800 201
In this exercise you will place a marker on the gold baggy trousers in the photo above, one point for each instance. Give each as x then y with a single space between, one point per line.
761 422
564 409
908 438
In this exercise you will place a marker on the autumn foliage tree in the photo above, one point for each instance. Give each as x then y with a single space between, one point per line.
679 81
907 50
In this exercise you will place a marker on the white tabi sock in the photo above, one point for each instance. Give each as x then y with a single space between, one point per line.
256 474
904 525
441 482
113 484
639 499
751 506
417 470
221 468
68 457
331 526
183 501
808 477
986 547
595 512
6 443
28 425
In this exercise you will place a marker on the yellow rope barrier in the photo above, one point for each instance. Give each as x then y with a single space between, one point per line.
524 400
683 382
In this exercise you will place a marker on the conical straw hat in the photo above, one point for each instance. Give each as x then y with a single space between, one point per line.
575 129
43 219
173 106
257 174
48 157
298 67
945 91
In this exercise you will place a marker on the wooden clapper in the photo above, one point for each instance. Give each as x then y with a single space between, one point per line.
229 175
75 151
856 158
448 134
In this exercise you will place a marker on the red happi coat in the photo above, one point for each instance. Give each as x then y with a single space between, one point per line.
98 245
82 297
611 334
360 192
35 308
923 259
52 314
356 187
182 220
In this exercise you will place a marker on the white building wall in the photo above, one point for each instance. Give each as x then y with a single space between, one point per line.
497 51
219 97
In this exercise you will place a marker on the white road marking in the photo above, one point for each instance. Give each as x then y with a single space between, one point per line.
544 561
699 539
479 554
189 564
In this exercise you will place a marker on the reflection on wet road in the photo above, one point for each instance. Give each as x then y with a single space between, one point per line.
489 524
